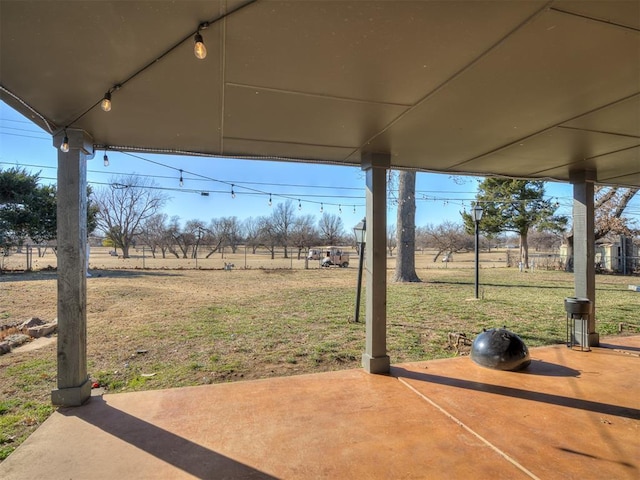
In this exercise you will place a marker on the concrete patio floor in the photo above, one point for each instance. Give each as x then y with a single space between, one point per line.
570 415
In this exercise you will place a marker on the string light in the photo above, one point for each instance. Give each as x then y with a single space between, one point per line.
564 202
252 191
106 102
199 50
354 209
340 209
233 194
64 147
105 159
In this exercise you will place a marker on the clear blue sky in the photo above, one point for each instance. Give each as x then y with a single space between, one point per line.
338 190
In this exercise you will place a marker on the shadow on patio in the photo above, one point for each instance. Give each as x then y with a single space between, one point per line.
570 415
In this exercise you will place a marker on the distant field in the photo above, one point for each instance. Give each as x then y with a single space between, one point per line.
139 258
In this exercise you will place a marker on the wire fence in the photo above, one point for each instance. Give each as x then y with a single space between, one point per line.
34 258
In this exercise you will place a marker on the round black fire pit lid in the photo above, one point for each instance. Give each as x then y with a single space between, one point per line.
500 349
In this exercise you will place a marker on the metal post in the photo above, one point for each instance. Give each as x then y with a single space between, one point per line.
477 259
356 316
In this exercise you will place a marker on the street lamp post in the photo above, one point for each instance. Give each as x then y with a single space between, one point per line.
477 216
360 232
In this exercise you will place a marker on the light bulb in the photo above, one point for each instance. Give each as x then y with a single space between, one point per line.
106 159
299 205
199 50
270 202
321 208
181 182
106 102
354 209
65 145
340 209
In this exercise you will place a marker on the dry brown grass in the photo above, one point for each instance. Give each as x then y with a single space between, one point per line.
164 328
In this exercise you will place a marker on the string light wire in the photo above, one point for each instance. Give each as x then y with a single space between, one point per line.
153 62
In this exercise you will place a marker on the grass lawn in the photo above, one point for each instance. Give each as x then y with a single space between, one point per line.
151 329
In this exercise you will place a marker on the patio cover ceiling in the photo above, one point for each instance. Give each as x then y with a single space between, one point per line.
529 88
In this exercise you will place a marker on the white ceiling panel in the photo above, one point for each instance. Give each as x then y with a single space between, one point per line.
522 88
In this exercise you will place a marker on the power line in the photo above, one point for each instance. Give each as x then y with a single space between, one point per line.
292 196
231 182
16 121
19 129
25 136
317 199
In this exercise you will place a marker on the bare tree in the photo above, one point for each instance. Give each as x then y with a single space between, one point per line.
195 232
406 234
304 233
392 241
448 238
181 238
282 220
251 233
124 206
154 232
543 240
422 238
331 229
217 236
610 204
268 234
232 232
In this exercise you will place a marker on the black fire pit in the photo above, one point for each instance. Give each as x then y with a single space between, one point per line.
500 349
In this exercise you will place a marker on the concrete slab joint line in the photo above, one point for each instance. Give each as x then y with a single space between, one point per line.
470 430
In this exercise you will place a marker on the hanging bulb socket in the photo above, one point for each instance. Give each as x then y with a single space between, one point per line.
64 147
299 205
181 182
106 102
233 194
321 207
105 159
270 202
199 49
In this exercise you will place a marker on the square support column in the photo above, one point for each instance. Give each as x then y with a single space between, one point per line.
584 245
74 387
375 358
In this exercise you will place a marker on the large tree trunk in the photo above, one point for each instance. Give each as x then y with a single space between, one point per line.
406 228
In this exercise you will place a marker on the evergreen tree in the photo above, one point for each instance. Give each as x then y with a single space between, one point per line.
514 206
